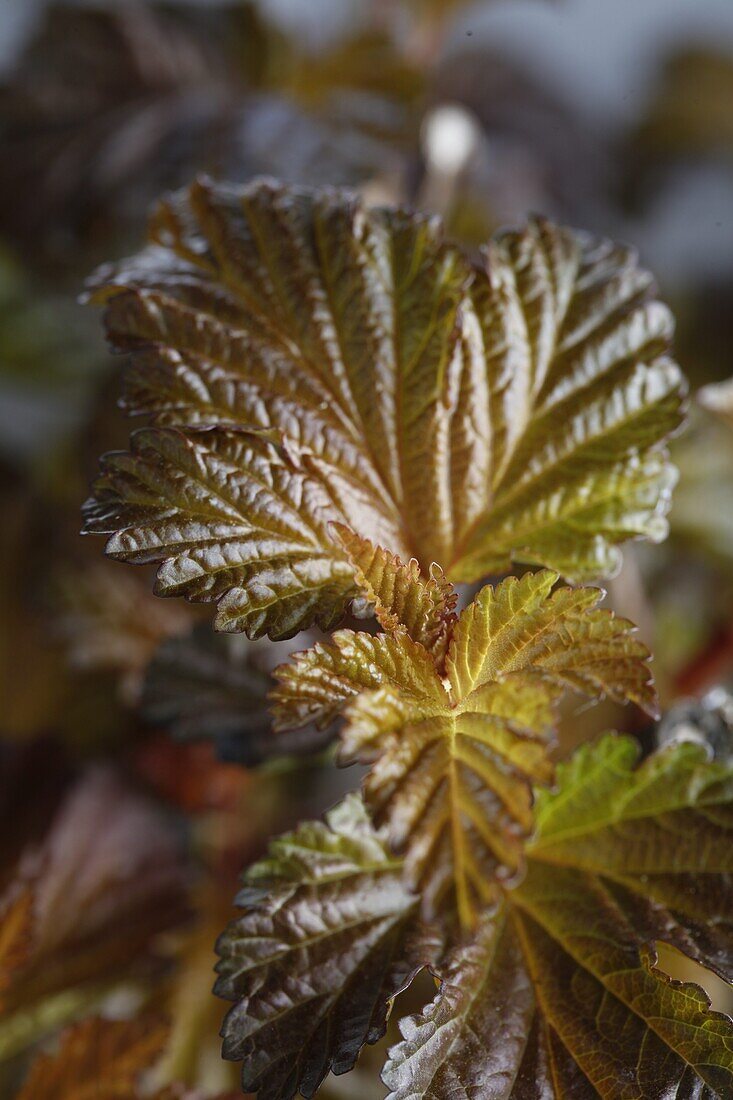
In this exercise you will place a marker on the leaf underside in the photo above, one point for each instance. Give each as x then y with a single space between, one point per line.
558 994
455 752
305 360
328 937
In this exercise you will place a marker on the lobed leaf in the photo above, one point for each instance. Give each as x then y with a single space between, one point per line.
328 938
353 366
454 760
559 993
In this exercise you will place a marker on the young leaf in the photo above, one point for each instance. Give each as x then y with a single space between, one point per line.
559 993
402 597
97 1060
454 760
352 366
328 938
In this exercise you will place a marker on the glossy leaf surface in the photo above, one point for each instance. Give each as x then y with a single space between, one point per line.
328 937
558 995
454 759
347 364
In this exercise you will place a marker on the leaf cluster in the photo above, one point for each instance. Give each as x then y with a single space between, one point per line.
347 417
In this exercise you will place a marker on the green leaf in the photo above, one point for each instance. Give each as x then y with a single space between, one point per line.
355 367
329 936
454 760
204 685
559 993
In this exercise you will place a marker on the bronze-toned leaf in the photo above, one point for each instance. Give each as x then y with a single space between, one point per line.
560 993
402 597
352 366
106 880
454 760
98 1060
329 936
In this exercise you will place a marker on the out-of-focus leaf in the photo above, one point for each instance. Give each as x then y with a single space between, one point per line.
559 993
329 936
16 926
110 622
454 759
348 364
718 399
192 1053
108 106
107 879
97 1060
702 514
207 685
690 114
526 135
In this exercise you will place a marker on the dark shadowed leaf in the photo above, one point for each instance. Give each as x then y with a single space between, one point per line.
215 687
454 757
348 364
328 937
559 994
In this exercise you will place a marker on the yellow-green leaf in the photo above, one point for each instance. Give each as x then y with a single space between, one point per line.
454 760
559 994
355 367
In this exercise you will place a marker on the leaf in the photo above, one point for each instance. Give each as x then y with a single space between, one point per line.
97 1060
329 936
352 366
559 993
718 398
211 686
454 760
424 606
16 929
111 622
105 881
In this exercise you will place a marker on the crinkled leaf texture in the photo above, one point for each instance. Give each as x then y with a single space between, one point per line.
558 995
306 359
329 936
456 743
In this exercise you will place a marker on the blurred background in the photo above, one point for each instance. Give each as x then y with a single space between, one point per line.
135 782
